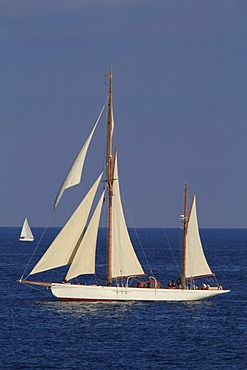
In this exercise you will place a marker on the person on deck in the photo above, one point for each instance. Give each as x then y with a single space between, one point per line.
171 284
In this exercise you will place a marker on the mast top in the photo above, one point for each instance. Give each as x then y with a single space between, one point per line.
109 75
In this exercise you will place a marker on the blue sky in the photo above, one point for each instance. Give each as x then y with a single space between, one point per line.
180 98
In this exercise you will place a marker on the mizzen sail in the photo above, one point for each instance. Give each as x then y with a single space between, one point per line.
196 263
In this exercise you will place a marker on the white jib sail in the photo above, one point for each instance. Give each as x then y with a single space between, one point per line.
125 261
74 175
84 259
60 251
196 263
26 232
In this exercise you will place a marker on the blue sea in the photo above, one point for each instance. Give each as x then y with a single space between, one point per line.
40 332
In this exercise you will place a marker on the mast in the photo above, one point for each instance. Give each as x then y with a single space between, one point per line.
110 175
185 227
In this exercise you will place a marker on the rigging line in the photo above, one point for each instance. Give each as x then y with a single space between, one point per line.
40 239
131 220
95 279
106 234
150 194
38 289
138 238
180 248
103 230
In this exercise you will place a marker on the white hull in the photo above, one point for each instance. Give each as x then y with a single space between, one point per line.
73 292
26 239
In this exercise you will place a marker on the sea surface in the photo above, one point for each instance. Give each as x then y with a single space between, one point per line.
40 332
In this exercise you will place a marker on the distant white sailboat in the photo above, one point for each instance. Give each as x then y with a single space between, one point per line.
26 233
75 245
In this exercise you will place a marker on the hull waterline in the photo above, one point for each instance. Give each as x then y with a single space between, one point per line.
95 293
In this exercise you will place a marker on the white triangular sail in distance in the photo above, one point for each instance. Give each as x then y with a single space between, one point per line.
67 241
125 261
196 263
84 259
26 233
73 177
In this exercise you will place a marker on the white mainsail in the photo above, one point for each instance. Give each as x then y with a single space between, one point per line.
26 233
73 177
67 241
125 261
84 259
196 263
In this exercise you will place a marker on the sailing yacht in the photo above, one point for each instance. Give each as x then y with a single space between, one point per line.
26 233
126 280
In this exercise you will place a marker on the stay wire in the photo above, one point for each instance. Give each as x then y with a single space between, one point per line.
40 239
129 215
151 196
139 241
42 235
38 289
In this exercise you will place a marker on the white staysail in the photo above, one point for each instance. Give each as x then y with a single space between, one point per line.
196 263
73 177
26 233
67 241
84 259
125 261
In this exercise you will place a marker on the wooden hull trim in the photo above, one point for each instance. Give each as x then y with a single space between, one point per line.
31 282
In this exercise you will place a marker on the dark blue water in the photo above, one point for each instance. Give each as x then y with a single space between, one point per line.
39 332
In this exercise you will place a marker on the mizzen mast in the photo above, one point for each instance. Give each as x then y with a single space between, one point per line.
185 227
110 159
